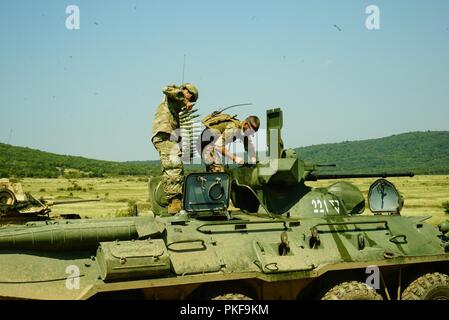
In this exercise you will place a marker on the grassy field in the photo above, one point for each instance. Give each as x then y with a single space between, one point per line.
423 194
115 195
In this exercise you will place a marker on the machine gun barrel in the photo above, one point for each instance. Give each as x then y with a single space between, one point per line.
315 176
53 203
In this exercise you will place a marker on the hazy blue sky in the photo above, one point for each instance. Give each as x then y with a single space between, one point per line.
93 92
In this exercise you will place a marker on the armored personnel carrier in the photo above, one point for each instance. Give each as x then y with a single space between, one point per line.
18 207
284 240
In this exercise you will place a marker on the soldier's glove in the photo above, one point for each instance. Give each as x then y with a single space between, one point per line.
189 106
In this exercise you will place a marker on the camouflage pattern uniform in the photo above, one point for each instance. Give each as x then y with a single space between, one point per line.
164 138
223 133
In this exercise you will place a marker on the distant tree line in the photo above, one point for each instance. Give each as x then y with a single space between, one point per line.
26 162
420 152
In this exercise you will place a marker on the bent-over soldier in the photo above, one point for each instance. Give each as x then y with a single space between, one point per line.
222 129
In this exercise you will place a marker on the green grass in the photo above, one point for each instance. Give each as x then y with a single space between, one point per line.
423 195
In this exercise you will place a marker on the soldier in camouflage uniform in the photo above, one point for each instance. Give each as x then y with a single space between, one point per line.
165 139
222 129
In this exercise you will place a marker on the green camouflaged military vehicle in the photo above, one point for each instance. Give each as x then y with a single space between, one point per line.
19 207
284 240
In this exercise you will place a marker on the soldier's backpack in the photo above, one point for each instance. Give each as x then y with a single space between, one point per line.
211 121
217 123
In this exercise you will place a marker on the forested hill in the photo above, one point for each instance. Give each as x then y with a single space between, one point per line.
26 162
420 152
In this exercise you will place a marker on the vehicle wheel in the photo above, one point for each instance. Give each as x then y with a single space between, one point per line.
352 291
431 286
232 296
7 198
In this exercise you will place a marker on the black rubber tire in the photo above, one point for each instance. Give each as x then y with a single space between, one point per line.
8 198
352 290
431 286
232 296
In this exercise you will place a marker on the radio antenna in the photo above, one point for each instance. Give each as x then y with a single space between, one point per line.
233 106
10 134
183 68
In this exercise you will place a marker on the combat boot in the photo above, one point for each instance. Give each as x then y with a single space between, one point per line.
174 206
